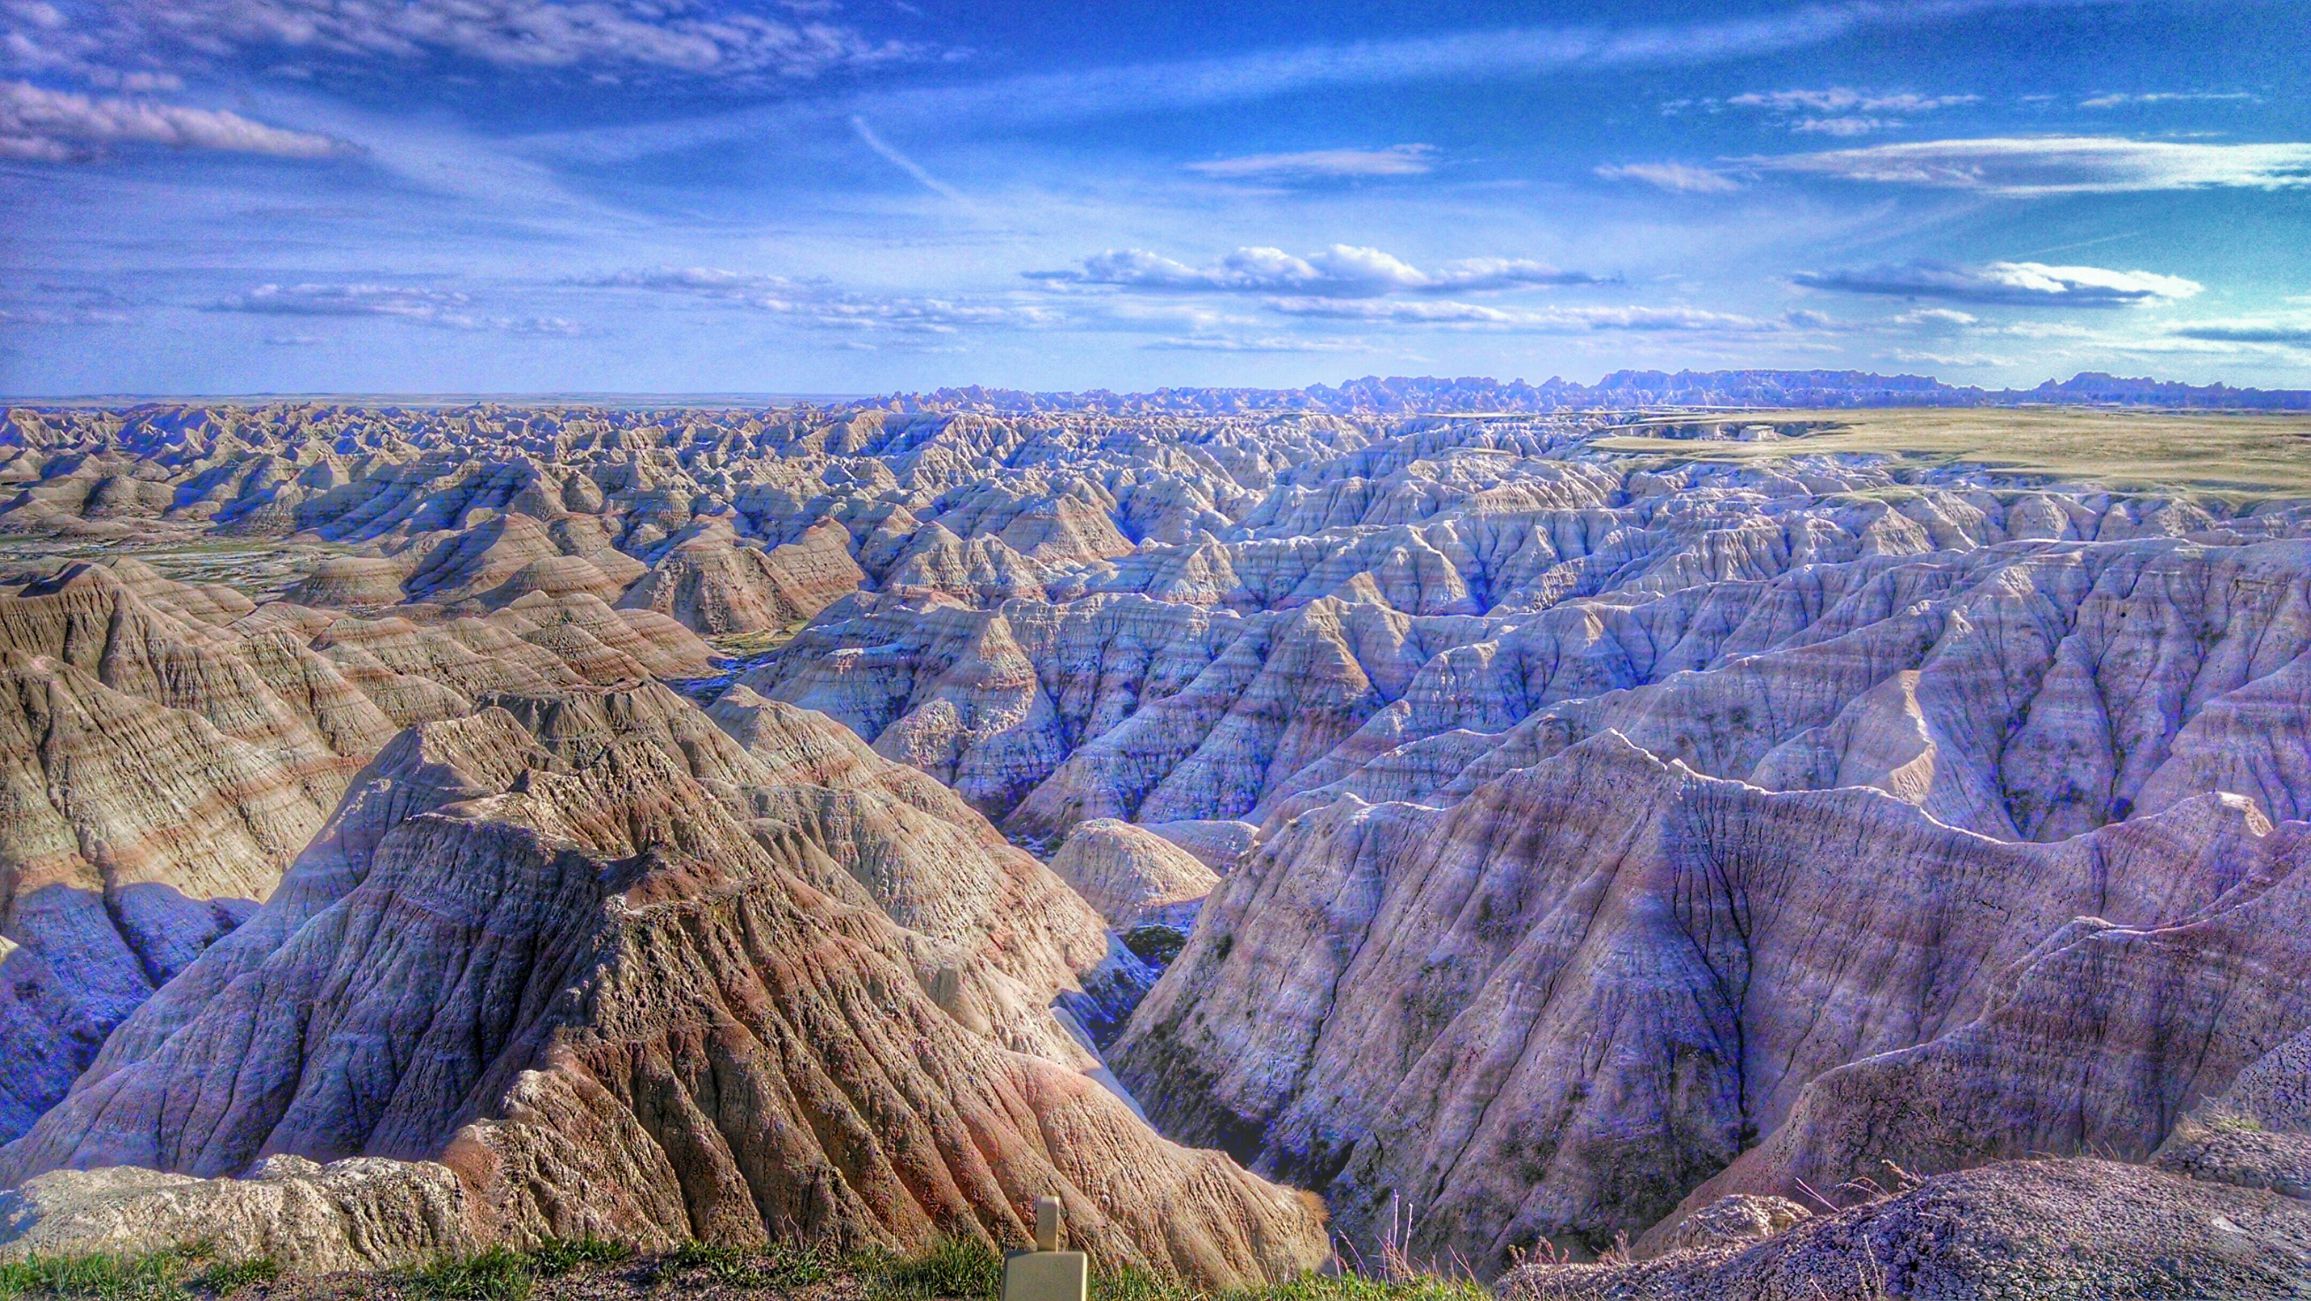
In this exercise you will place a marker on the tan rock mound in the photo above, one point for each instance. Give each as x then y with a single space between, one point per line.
2017 1231
716 587
361 1213
637 1014
1133 876
350 582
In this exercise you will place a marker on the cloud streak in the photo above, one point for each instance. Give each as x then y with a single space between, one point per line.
819 304
873 142
1322 164
1341 271
55 126
1192 83
2032 284
600 39
1648 320
1678 178
446 309
2046 165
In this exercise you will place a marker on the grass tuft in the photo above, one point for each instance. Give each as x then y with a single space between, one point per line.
497 1274
950 1267
226 1277
558 1256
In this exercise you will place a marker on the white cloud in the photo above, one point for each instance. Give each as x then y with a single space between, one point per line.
54 126
1322 164
873 142
601 38
1636 319
817 303
1341 271
1262 343
1950 358
446 309
1682 178
1835 110
1843 99
2122 100
2032 165
1940 318
2292 332
2025 283
1842 126
1509 54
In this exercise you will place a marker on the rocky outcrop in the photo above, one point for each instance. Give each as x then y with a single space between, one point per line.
654 1003
356 1214
712 585
1606 824
2009 1232
1559 1005
1132 876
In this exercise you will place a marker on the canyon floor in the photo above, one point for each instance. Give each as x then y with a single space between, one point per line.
1636 854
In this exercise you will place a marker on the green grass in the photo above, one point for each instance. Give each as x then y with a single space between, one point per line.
1129 1284
151 1276
229 1276
497 1274
951 1267
557 1256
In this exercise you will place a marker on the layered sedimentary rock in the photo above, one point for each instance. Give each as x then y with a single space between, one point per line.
1560 1004
713 585
1133 876
1605 826
2011 1232
642 983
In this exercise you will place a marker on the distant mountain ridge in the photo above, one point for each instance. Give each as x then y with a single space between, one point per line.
1620 389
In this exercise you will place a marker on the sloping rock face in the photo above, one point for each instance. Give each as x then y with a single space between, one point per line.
647 989
1602 832
712 585
1559 1005
1134 877
2011 1232
166 751
360 1213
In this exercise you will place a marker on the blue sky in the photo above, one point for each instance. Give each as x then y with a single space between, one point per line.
836 196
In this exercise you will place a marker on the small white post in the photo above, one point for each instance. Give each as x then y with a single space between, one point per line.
1046 1273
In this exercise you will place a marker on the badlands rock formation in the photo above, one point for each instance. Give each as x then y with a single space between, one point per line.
1579 830
1133 876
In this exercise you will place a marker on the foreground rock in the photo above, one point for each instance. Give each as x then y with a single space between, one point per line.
642 990
2017 1231
1558 1007
362 1213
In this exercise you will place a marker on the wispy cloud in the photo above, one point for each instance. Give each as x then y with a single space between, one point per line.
2008 283
2040 165
817 303
55 126
1341 271
1681 178
1322 164
1845 99
1559 319
1938 318
2294 332
597 39
867 137
1498 53
447 309
1831 110
1273 343
2125 100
